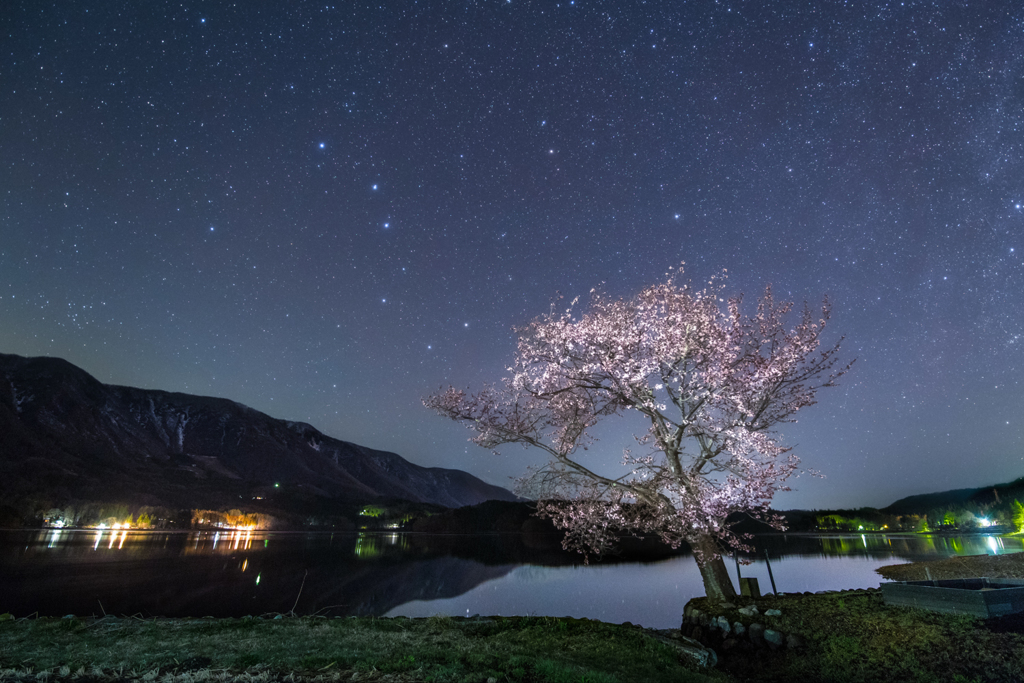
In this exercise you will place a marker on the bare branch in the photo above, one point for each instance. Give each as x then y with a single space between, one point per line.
701 373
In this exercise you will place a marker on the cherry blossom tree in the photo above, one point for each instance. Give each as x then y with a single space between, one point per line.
711 383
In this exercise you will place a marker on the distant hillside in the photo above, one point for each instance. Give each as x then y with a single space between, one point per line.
960 508
66 436
915 505
984 495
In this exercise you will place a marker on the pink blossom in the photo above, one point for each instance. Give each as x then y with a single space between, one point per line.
712 382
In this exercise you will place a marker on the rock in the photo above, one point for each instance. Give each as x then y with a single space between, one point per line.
722 623
729 644
773 637
739 629
773 613
756 633
688 647
795 642
748 611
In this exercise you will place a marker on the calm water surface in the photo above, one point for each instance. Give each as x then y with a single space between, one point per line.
57 572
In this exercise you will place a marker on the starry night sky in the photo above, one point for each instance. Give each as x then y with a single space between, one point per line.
328 211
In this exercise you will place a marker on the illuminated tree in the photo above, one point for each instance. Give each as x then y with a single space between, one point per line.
711 384
1018 516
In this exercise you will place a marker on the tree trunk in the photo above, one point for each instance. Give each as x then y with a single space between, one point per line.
717 584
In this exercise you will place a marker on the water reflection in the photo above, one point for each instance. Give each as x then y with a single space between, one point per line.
371 545
233 572
908 547
71 542
227 573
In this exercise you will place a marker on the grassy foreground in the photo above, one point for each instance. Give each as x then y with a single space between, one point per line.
320 649
854 637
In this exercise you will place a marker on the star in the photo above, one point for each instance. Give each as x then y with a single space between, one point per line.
852 176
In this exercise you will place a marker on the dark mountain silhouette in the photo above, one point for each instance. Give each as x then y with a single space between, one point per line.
66 436
923 502
920 504
983 495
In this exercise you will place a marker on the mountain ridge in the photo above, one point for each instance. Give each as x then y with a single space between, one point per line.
64 435
981 495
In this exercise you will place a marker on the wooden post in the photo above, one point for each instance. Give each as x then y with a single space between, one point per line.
770 576
749 587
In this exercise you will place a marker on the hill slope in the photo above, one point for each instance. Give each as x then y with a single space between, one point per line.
65 435
984 495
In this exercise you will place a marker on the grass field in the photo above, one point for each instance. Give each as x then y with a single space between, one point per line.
362 649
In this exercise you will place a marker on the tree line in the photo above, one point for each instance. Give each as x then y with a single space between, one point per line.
1006 515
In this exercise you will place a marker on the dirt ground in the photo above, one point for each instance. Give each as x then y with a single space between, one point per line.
991 566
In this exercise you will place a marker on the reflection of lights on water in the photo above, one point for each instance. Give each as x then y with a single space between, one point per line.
238 538
258 579
863 540
992 545
226 540
114 537
245 564
99 537
372 545
53 539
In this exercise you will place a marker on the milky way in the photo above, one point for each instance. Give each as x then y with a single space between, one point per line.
327 211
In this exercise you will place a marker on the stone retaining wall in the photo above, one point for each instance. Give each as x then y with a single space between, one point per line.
730 627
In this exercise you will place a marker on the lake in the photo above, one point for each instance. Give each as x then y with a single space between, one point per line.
234 573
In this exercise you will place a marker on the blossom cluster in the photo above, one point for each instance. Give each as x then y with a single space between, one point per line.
711 381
